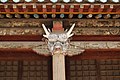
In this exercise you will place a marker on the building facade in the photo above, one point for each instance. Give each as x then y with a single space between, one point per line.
24 54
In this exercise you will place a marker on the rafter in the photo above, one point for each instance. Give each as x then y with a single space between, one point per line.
60 8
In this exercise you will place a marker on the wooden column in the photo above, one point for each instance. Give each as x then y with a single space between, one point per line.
58 67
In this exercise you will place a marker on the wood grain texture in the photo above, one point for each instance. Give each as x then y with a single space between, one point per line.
58 66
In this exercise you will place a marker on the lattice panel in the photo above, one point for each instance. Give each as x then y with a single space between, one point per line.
82 69
93 69
8 70
110 69
35 70
25 70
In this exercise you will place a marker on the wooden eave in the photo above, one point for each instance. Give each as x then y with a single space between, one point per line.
48 8
59 8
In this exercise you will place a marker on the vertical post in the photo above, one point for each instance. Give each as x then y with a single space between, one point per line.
58 67
58 56
57 49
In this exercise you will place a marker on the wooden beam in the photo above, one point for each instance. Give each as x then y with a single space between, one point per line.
81 8
24 8
15 8
99 12
71 8
110 8
44 9
91 8
6 8
21 37
53 8
35 9
118 9
20 54
28 54
98 54
96 38
101 8
74 38
62 8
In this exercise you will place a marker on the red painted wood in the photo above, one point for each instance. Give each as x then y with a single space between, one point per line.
57 26
74 38
90 9
21 37
28 54
98 54
48 8
96 38
20 54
